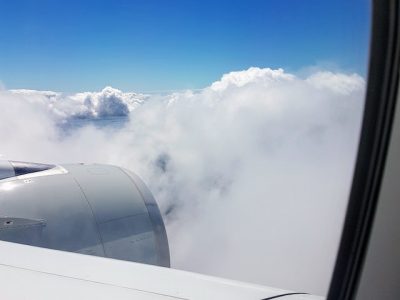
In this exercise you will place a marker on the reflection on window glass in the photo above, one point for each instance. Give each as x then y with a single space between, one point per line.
242 117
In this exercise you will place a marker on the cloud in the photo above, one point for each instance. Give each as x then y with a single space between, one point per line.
339 83
109 102
252 173
252 75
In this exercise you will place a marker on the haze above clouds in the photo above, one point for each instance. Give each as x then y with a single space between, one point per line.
252 173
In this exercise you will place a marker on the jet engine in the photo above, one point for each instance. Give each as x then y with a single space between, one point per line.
94 209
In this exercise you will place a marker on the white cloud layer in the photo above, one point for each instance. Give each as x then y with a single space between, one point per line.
252 173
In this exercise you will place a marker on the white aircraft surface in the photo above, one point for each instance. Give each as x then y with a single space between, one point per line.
28 272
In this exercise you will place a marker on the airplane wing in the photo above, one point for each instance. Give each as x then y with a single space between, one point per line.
28 272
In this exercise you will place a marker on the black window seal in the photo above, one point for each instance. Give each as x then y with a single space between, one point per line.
382 87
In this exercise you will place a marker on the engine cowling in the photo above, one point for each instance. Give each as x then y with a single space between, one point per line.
94 209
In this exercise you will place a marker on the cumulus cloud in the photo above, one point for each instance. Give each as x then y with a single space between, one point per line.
251 75
109 102
252 173
340 83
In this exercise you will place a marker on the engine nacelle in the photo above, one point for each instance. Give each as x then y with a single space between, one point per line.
93 209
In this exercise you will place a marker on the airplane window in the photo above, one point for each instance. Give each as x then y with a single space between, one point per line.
233 124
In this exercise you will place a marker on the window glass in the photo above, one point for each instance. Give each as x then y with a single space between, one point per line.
242 117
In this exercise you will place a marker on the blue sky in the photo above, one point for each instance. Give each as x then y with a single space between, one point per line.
151 45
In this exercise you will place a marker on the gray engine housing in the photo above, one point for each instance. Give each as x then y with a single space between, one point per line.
94 209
